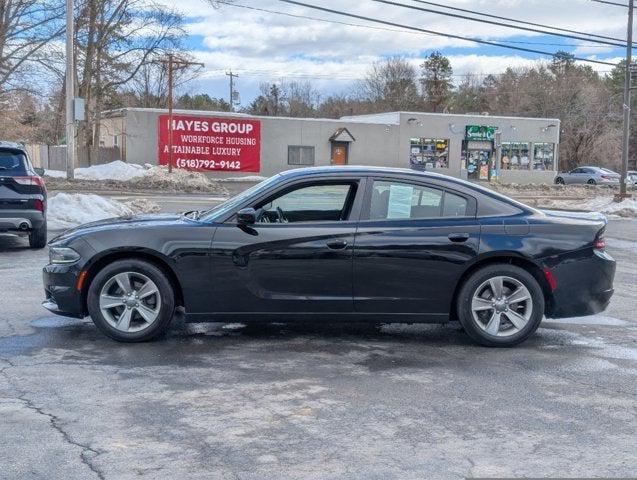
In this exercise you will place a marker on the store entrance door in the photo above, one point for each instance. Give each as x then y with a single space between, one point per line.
339 153
478 159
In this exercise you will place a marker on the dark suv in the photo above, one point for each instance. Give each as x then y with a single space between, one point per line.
22 195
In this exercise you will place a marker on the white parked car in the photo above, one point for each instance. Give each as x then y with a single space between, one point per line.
589 175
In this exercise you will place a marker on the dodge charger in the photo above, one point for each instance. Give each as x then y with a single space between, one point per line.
338 243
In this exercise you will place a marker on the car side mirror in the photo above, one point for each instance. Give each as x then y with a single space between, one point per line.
247 216
39 171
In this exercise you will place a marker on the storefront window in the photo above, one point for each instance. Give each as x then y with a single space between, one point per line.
544 156
428 153
515 156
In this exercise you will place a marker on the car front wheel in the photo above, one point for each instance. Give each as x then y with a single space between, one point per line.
131 301
500 305
559 181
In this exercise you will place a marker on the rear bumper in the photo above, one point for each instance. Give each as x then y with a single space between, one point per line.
16 219
61 296
584 284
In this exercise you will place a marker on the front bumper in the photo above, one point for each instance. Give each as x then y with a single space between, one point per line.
61 295
584 284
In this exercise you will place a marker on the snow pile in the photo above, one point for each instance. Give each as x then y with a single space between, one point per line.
607 206
119 175
158 178
67 210
116 170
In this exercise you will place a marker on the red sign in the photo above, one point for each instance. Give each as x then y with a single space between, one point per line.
205 143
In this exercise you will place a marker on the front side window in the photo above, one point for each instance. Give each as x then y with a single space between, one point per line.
329 202
397 200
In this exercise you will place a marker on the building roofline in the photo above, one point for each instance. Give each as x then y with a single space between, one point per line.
455 115
343 119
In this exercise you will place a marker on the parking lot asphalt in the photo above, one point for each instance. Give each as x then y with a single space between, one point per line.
314 401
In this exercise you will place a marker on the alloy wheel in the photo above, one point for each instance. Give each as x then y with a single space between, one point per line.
502 306
130 302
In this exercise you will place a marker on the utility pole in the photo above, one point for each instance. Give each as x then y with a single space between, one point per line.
173 64
232 77
627 92
70 92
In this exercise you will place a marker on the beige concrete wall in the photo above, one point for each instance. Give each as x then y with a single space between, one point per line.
377 144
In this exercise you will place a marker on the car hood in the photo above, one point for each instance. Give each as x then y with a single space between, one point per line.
119 223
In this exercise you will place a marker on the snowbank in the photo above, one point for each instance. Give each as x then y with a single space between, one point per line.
607 206
69 210
116 170
119 175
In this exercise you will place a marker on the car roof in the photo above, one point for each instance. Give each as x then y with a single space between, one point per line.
368 170
12 146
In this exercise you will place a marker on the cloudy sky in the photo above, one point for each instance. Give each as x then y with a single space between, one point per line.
269 40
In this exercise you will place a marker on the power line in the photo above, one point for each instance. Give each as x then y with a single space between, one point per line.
611 3
449 35
508 19
372 27
499 24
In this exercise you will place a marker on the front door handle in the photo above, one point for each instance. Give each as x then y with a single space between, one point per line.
338 244
458 237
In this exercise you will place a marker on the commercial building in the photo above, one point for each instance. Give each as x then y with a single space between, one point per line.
474 147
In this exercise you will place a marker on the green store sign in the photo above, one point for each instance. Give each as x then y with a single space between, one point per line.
479 132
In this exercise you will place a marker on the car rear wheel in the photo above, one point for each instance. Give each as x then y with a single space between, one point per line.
592 182
500 305
559 181
37 237
131 301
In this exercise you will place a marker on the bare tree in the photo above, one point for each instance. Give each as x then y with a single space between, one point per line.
26 27
390 85
116 39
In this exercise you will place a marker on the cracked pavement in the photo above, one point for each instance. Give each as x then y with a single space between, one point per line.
314 401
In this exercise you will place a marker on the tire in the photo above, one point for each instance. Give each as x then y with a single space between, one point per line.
122 308
511 330
37 237
559 181
592 182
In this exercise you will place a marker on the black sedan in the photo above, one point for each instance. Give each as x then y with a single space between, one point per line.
346 243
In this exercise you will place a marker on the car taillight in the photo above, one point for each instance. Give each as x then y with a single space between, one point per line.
39 205
31 180
599 243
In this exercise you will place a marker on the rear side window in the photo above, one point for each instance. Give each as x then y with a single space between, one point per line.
12 161
398 200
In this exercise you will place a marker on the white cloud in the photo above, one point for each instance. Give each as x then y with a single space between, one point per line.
263 46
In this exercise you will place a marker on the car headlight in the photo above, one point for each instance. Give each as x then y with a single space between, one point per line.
63 255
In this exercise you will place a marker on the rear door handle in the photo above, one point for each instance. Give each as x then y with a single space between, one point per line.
458 237
337 244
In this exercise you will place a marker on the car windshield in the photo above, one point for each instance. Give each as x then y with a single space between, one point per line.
12 161
234 202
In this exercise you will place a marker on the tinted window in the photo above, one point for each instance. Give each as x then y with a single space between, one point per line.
577 170
12 161
454 205
312 203
396 200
